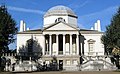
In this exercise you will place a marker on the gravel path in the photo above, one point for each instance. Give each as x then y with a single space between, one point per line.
73 72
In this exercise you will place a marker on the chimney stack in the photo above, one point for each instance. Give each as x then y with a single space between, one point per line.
98 25
22 26
95 26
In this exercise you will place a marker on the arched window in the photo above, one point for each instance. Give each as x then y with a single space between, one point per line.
59 19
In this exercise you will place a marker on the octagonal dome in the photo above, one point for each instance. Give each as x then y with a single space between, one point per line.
60 10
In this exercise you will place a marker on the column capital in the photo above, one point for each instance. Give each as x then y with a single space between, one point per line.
63 34
45 34
77 35
56 34
70 34
49 34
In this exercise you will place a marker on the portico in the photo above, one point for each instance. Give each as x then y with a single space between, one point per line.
61 44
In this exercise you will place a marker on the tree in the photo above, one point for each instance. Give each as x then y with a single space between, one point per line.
7 29
111 38
31 49
3 63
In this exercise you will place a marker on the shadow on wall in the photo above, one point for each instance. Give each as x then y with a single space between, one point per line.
31 49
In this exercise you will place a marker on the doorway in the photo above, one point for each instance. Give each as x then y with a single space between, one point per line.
60 64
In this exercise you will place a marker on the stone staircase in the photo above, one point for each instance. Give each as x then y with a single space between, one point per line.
25 66
96 63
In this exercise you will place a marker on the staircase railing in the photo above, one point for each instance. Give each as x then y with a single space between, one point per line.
89 59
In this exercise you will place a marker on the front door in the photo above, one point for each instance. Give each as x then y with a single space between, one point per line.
60 64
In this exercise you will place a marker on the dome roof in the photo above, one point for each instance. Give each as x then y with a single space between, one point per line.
60 10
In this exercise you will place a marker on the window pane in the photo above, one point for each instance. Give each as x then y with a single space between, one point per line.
67 62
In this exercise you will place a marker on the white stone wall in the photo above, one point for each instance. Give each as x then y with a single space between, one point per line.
51 19
72 21
98 46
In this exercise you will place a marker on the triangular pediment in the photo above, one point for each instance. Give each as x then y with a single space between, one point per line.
60 26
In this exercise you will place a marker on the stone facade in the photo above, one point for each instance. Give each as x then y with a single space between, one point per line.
61 37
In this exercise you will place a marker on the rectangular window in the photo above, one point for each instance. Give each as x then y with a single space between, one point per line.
91 48
74 62
47 61
67 62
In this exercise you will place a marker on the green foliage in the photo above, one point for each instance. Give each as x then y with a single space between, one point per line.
7 28
111 38
31 49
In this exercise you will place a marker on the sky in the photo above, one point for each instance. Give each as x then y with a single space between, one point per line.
88 11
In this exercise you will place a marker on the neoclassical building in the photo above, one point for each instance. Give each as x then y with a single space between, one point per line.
61 37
